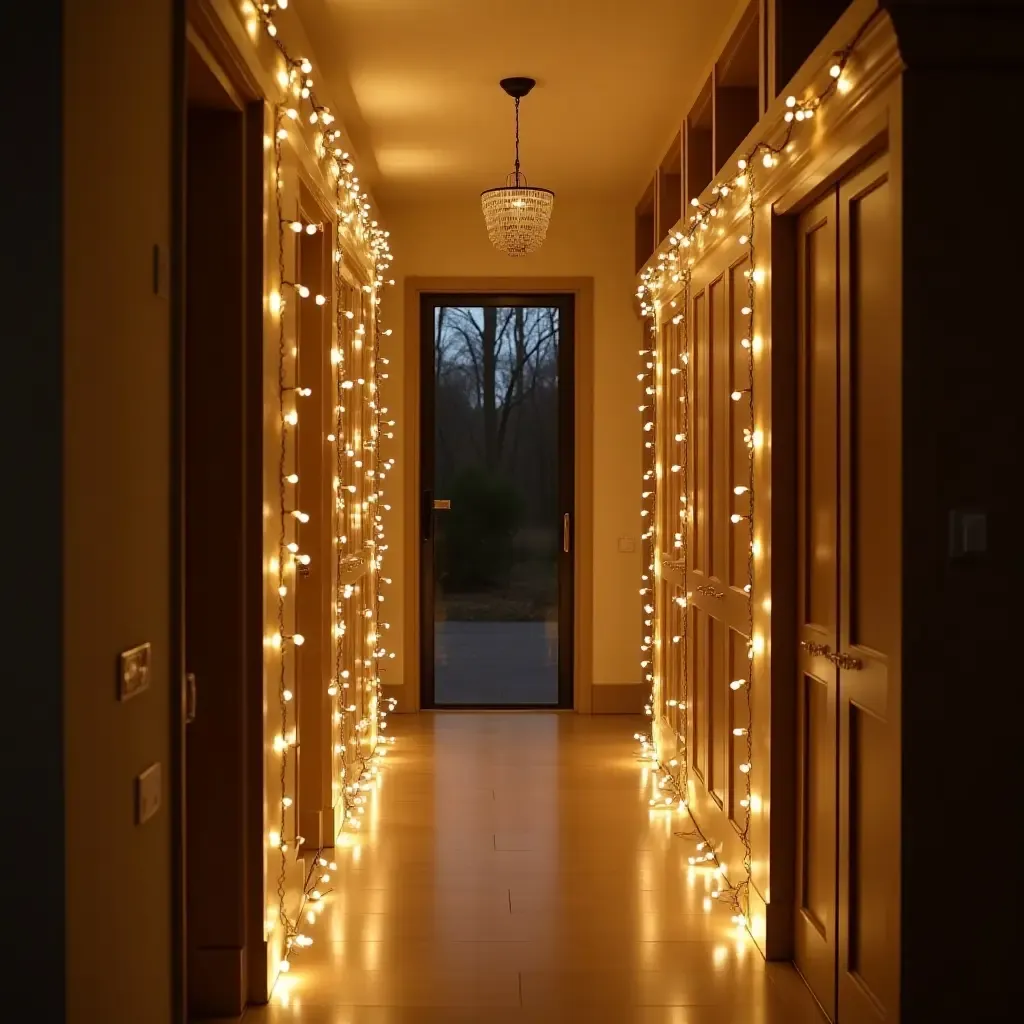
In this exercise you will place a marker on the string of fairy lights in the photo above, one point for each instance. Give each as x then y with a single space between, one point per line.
357 720
671 272
356 769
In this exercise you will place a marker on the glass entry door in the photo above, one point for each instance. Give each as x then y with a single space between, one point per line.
496 515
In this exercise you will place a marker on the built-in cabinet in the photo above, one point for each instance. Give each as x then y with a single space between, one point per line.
777 532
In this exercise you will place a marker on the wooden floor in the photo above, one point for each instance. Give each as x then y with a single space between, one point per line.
511 871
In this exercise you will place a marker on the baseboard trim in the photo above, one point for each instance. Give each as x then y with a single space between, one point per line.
619 698
217 983
257 962
311 828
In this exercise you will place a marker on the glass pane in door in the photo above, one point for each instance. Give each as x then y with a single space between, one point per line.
498 526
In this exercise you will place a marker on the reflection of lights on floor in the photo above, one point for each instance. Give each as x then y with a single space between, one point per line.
373 929
284 993
345 841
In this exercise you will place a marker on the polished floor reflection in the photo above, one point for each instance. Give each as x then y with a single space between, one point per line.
511 871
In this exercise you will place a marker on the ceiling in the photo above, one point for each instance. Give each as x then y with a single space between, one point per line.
416 82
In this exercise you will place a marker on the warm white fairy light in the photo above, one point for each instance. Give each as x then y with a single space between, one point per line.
666 269
356 230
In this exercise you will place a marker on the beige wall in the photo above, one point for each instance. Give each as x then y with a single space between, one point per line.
587 239
117 134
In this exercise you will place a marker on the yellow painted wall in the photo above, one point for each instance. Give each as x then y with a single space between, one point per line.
117 136
588 238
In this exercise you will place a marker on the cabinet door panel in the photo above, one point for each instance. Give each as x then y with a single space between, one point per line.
817 600
870 608
717 519
700 432
739 420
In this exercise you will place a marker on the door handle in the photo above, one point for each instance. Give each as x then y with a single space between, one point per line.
817 650
190 697
846 661
565 533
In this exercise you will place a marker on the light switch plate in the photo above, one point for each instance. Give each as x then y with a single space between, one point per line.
968 529
133 671
148 793
627 545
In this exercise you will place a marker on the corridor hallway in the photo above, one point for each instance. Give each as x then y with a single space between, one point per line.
510 870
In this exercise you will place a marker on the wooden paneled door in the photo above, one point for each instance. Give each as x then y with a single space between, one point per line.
870 596
719 551
848 807
816 887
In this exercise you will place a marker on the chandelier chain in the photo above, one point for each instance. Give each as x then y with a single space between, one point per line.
517 143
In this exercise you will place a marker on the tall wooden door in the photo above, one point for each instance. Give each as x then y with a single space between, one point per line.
817 599
719 552
869 597
848 809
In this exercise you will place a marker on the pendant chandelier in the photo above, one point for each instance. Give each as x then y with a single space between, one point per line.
517 214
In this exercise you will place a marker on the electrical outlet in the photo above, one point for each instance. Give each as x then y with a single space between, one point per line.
133 671
148 793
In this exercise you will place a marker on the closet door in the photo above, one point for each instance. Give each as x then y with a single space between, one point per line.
719 550
817 596
870 611
699 548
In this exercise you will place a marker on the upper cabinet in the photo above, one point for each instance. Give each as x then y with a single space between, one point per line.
670 187
766 44
646 225
794 29
739 86
700 141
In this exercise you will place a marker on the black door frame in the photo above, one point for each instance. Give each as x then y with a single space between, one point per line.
565 302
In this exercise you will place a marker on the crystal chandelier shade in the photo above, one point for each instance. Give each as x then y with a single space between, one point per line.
517 214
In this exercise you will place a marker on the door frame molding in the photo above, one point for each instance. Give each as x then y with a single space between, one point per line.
582 290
